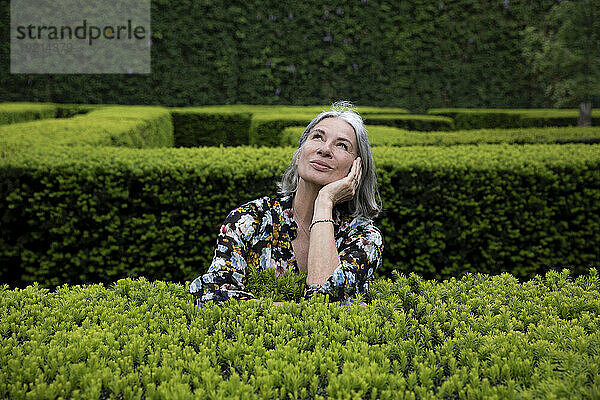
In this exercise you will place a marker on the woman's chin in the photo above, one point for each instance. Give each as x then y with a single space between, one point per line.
319 181
319 178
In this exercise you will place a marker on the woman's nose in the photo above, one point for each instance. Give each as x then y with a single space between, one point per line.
325 149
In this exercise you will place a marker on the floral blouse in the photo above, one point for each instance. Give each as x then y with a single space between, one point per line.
260 233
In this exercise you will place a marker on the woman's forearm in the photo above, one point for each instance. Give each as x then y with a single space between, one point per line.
323 257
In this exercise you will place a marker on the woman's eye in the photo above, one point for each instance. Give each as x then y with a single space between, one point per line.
316 135
343 145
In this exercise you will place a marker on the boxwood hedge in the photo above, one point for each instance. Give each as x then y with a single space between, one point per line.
85 214
473 118
388 136
11 113
268 129
485 337
129 126
195 127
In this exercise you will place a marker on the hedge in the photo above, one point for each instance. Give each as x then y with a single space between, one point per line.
413 122
287 109
129 126
388 136
414 55
479 336
234 125
96 214
11 113
472 118
267 129
195 127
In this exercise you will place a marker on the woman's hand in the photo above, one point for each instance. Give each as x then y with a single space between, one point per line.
345 188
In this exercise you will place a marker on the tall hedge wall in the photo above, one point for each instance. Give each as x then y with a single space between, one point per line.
417 55
85 214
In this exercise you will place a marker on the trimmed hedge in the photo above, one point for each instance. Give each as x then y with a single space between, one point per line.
71 110
235 125
86 215
128 126
195 127
413 122
387 136
11 113
476 337
267 129
472 118
287 109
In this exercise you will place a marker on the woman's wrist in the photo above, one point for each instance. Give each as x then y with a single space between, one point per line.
323 207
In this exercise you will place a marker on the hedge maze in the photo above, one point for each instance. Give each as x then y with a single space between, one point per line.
488 287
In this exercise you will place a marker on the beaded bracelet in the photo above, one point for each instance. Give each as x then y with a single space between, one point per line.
317 221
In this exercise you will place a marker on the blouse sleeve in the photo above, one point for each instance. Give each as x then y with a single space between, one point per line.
360 256
226 273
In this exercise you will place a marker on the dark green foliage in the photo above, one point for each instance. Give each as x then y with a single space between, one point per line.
510 118
417 55
196 127
76 213
70 110
490 208
564 53
267 130
475 337
287 287
96 214
413 122
107 212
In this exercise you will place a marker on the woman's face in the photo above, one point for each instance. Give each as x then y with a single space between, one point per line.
328 152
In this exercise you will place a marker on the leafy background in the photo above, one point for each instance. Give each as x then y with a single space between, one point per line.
417 55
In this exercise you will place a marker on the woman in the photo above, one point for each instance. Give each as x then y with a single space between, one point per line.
322 223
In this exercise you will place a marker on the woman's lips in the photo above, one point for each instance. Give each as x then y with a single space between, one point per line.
319 166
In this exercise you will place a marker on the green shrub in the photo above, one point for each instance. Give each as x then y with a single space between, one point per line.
286 109
415 55
199 127
388 136
473 118
287 287
11 113
413 122
97 214
476 337
70 110
489 208
268 129
128 126
231 126
153 212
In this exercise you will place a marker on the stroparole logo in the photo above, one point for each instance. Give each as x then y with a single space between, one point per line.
77 36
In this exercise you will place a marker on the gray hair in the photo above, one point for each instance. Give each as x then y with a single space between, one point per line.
366 201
